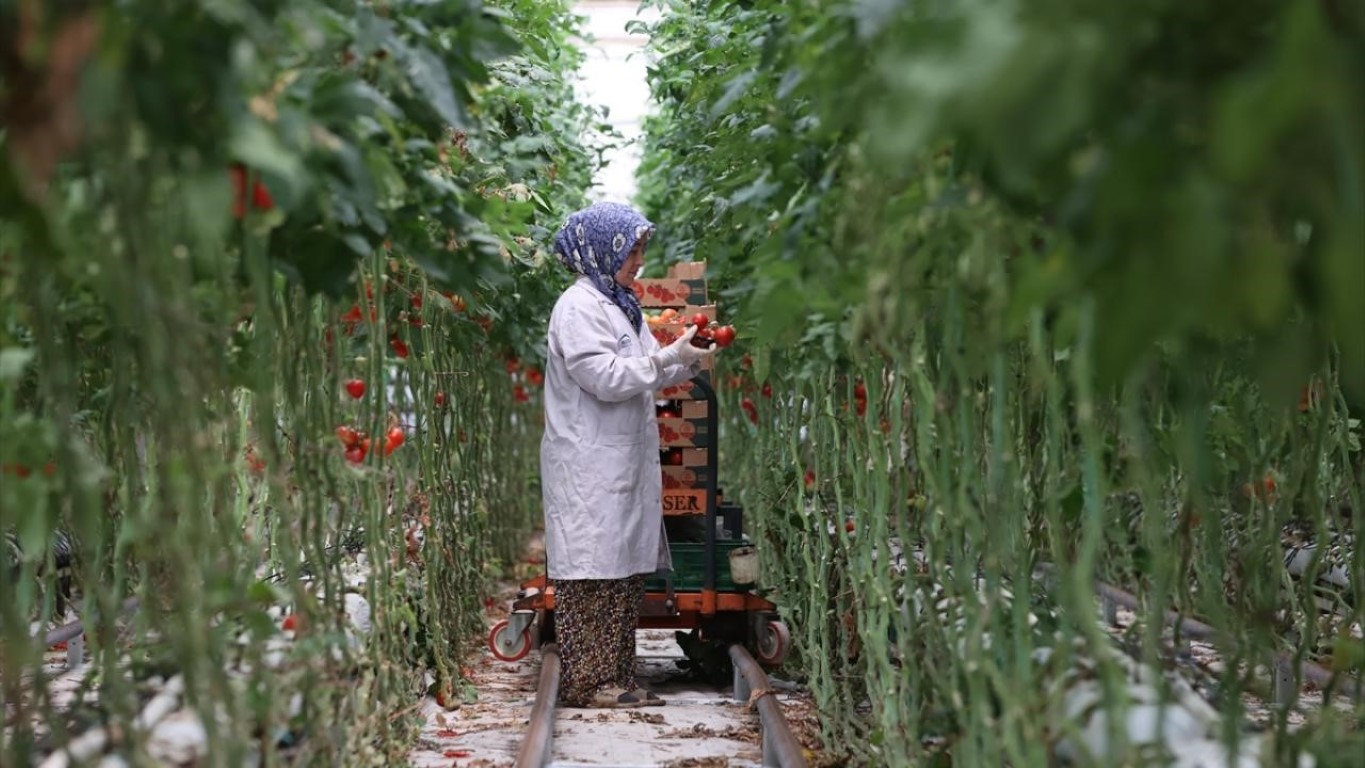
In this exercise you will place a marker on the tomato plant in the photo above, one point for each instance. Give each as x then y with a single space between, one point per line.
234 208
1046 274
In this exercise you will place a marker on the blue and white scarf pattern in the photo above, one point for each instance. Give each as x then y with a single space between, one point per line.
595 243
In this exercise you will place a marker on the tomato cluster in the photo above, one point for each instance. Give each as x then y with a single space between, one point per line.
707 334
519 373
357 443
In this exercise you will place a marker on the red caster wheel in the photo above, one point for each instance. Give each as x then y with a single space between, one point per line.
507 645
773 641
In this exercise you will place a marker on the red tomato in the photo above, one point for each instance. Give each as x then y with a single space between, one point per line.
519 394
355 387
700 320
355 454
809 478
724 335
399 348
416 300
534 376
860 391
767 389
848 526
440 399
393 439
290 623
260 198
348 436
749 409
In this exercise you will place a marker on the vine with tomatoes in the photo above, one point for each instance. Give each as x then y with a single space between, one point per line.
1020 285
254 258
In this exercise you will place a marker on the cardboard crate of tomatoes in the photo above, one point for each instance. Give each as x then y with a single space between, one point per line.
693 458
683 285
684 433
669 292
686 390
672 304
684 478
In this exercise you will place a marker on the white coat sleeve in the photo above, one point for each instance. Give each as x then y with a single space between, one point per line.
673 374
587 341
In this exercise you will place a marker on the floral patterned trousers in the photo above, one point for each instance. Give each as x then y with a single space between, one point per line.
595 622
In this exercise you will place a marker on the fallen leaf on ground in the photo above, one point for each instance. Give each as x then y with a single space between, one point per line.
757 694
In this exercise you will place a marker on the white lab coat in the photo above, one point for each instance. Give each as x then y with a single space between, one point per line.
599 458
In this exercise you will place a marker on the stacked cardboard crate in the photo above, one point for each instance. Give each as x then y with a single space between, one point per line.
683 439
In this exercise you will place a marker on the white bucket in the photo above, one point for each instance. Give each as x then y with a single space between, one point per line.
744 565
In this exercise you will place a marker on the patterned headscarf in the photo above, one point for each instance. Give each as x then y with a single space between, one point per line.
596 241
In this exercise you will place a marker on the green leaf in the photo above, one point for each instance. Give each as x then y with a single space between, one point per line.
260 149
429 76
734 90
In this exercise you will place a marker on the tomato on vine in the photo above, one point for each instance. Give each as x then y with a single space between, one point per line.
356 453
393 439
724 336
355 387
348 436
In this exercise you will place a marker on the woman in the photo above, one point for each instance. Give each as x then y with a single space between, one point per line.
599 459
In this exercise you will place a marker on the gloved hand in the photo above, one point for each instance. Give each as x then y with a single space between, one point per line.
681 351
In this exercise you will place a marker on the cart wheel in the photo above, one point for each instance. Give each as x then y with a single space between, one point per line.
773 641
507 646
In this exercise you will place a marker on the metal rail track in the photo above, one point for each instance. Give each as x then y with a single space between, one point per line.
780 747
